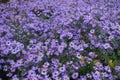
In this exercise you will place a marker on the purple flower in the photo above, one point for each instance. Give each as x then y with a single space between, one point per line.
8 43
104 74
9 74
30 57
15 77
117 69
111 37
92 54
65 77
75 75
78 55
64 44
92 31
70 35
89 75
44 71
19 63
55 73
46 64
83 78
34 34
60 49
80 47
107 68
96 75
62 69
106 45
5 68
31 73
72 44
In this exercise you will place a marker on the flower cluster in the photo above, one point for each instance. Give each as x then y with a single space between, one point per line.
60 40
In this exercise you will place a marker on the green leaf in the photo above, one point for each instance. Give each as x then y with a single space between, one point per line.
86 69
118 53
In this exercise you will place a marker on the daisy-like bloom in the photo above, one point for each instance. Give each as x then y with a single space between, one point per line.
106 45
78 55
80 47
89 75
83 78
55 73
105 74
85 45
118 28
107 69
48 53
5 68
92 54
62 69
76 47
75 67
31 73
92 31
46 64
64 44
72 44
44 71
39 44
8 43
70 35
65 77
111 37
97 45
96 75
19 63
15 78
13 51
40 56
57 78
9 74
30 57
117 69
75 75
62 36
47 41
60 49
47 78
